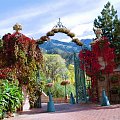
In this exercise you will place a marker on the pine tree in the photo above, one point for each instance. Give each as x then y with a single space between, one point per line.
110 25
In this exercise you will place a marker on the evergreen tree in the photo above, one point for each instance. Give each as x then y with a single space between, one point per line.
110 25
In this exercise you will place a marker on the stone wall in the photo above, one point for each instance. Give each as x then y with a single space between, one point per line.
110 87
45 99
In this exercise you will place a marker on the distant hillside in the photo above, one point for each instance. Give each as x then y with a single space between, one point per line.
65 49
53 45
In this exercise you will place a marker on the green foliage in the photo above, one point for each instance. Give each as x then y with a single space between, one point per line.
10 97
56 70
110 25
54 67
1 42
65 49
71 74
1 47
35 86
59 91
35 90
107 20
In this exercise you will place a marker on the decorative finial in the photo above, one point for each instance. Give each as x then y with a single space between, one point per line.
59 19
17 27
59 25
98 32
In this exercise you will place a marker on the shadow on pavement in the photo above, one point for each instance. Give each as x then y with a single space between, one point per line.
63 108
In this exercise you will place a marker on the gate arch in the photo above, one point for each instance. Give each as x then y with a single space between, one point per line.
79 73
62 29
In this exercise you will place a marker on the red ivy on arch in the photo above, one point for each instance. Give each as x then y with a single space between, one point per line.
90 59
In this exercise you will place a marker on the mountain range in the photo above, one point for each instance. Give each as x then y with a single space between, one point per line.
65 49
53 45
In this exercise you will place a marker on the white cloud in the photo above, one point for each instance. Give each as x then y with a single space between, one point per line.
5 31
66 40
84 30
19 17
87 37
78 18
80 29
71 21
27 14
38 19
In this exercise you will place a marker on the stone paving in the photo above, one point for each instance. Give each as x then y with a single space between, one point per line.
71 112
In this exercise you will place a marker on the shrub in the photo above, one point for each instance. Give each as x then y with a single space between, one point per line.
10 97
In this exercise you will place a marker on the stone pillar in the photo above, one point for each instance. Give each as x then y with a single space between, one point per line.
26 105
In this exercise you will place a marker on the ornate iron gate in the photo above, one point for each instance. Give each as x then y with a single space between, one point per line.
79 81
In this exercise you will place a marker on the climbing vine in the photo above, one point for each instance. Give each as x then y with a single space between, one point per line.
99 60
21 54
20 61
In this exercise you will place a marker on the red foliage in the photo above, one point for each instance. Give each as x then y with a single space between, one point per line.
89 62
89 59
4 72
18 51
15 41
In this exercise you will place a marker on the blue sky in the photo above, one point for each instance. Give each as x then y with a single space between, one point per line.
37 17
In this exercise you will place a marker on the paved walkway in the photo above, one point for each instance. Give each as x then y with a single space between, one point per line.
72 112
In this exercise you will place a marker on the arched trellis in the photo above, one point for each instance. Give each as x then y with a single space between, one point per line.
79 74
62 29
